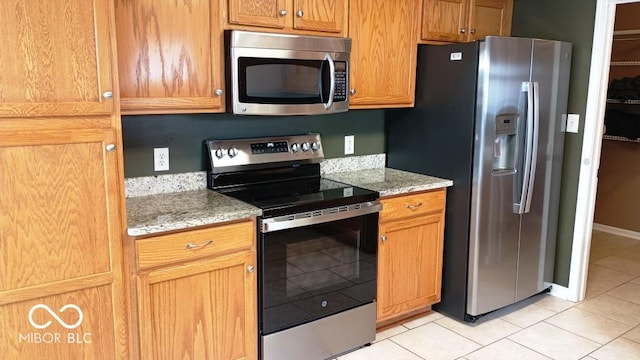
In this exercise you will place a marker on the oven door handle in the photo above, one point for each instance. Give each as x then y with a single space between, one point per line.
319 216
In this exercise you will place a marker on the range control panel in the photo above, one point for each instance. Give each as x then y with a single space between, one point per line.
239 154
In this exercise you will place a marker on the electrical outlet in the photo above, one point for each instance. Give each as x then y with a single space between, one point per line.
349 144
161 159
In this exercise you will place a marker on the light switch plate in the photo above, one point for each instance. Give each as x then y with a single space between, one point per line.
349 144
572 123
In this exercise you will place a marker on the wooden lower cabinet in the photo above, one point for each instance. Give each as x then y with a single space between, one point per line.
410 254
203 308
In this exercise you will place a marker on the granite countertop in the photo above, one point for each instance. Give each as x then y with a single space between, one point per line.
147 215
156 213
389 181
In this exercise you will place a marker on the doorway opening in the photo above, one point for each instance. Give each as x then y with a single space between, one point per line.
592 144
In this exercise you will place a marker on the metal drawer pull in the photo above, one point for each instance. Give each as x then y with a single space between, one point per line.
250 268
383 238
413 207
201 245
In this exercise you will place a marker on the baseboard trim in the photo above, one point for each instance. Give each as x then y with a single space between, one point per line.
560 291
617 231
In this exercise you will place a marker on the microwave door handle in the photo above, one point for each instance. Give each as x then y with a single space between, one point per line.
332 78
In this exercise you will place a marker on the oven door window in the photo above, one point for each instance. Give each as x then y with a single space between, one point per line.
317 270
283 81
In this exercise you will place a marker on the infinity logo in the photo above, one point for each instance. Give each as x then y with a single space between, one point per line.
56 317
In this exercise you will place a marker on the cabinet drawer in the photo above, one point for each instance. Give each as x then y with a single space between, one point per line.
194 244
411 205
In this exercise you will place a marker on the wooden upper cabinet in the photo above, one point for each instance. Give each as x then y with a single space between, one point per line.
490 17
465 20
55 58
268 13
319 17
170 57
444 20
383 53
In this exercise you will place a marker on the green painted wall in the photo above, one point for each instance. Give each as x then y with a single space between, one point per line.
572 21
184 135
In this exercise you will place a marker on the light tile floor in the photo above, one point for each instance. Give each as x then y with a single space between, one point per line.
606 325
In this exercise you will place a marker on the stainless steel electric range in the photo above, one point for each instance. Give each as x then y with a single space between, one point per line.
317 245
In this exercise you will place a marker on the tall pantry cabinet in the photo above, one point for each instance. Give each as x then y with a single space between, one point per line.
60 182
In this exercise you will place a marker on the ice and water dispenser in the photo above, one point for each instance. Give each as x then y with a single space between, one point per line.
505 144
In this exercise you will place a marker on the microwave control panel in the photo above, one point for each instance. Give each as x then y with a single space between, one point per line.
340 93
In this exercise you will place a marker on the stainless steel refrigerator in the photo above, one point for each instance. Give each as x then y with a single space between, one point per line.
490 116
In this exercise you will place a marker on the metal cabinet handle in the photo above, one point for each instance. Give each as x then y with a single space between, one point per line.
299 13
201 245
414 206
218 92
463 30
110 147
107 94
473 31
250 268
352 91
283 12
383 238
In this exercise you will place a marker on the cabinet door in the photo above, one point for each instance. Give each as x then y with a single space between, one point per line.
383 54
490 17
319 15
204 310
409 264
267 13
60 241
55 58
445 20
71 325
170 57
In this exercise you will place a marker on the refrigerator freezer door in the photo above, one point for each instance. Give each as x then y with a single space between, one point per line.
550 70
504 66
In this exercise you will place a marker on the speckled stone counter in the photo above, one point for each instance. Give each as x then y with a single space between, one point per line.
389 182
147 215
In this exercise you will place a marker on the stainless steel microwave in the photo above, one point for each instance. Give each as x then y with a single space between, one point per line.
278 74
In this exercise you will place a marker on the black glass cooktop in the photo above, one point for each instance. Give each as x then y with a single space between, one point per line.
285 197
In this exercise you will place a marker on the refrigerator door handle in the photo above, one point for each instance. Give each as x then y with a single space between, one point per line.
534 150
520 206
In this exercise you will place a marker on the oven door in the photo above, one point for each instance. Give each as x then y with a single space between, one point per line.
315 270
288 82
